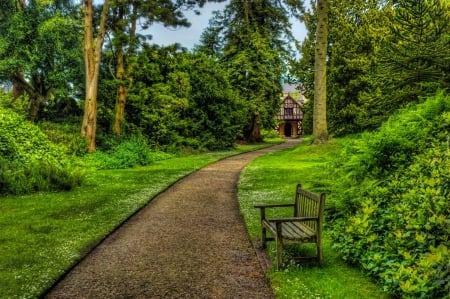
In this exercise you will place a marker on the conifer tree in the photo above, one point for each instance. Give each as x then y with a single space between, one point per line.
255 38
414 59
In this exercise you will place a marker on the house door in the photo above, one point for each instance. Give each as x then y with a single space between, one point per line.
288 129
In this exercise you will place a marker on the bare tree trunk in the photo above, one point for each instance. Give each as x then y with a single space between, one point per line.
119 117
320 131
252 132
123 71
92 59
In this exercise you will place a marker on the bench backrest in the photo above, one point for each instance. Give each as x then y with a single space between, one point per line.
308 204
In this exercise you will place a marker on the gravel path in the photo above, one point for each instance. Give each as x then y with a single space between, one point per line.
188 242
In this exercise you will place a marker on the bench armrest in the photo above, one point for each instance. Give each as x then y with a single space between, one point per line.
262 207
273 205
293 219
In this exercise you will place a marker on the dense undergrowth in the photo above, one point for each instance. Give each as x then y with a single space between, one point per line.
391 201
130 153
29 161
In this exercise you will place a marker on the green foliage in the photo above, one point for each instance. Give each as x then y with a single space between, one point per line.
29 161
16 178
400 233
40 52
413 57
419 47
369 159
250 39
66 134
215 114
392 201
129 153
183 100
356 32
382 55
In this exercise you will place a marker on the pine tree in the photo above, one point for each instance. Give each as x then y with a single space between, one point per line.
254 49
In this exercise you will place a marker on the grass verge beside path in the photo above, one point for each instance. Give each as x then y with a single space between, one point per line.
42 235
272 178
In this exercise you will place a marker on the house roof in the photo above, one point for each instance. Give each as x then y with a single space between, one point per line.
292 91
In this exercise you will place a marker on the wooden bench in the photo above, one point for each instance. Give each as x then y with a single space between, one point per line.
305 225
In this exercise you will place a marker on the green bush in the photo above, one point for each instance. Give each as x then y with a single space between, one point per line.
369 159
129 153
66 135
391 202
400 234
29 161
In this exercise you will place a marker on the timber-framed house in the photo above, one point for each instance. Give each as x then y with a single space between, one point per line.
290 115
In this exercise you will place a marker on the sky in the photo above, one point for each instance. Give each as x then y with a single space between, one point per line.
189 37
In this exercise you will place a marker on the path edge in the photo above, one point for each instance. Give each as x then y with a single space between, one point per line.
92 246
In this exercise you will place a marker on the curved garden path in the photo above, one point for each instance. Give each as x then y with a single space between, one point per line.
188 242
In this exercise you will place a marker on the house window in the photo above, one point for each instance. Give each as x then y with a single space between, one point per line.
288 111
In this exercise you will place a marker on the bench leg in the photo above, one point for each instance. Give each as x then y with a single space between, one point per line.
319 253
279 244
263 237
263 229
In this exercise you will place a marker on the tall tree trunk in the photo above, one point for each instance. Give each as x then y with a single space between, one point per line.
124 69
119 117
92 59
320 131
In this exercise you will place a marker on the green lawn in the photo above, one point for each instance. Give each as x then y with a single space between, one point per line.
43 234
272 178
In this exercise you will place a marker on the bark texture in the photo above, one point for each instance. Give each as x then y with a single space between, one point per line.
92 59
320 130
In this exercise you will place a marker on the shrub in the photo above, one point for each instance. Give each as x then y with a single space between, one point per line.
368 160
29 161
129 153
400 234
392 201
66 135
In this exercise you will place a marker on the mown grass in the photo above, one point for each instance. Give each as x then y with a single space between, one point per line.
43 234
272 178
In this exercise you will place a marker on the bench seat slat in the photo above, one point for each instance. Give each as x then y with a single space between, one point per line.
291 230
